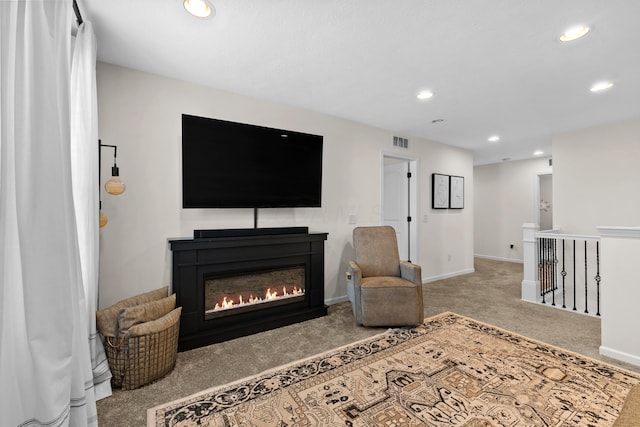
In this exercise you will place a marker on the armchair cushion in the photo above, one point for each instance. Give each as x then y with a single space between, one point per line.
376 251
385 282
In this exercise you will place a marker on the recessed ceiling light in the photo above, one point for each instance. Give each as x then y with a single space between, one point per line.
599 87
425 94
538 153
493 138
574 33
199 8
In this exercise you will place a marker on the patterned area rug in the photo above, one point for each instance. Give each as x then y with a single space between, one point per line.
451 371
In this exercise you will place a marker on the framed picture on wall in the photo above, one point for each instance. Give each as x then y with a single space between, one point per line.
456 192
440 191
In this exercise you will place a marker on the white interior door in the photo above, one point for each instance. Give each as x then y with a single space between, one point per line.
399 203
395 203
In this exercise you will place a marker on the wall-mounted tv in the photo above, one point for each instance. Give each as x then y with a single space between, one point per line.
235 165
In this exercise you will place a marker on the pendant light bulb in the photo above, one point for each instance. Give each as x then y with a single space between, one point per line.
103 219
115 185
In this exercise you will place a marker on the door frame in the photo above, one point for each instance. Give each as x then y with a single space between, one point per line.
413 199
539 176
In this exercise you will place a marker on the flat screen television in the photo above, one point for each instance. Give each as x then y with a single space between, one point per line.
235 165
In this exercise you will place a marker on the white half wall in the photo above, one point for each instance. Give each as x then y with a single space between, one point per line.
620 247
141 114
596 176
504 199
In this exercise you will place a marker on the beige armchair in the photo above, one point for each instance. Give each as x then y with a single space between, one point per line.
386 291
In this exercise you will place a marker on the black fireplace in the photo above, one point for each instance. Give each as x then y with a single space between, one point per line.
232 283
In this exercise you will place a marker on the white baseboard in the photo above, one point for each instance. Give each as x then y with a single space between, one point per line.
336 300
620 355
530 291
496 258
448 275
343 298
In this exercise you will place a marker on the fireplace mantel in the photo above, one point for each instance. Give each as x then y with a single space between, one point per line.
231 252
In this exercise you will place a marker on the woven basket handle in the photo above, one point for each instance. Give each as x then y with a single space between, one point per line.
111 344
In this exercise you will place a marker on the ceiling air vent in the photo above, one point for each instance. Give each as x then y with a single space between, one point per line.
400 142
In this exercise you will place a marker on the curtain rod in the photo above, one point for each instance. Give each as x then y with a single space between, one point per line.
77 12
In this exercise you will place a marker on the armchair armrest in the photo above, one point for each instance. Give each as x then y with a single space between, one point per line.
411 272
356 278
356 272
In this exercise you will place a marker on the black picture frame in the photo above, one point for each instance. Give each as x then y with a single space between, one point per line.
456 192
439 191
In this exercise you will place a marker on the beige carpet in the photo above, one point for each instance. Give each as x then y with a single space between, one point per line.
452 370
491 295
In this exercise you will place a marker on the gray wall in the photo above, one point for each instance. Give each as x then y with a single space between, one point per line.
505 198
141 113
596 177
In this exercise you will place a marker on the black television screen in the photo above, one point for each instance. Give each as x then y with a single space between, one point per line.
234 165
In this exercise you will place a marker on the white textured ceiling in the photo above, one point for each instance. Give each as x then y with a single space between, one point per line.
496 66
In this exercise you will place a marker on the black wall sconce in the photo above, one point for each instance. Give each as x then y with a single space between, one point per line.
114 185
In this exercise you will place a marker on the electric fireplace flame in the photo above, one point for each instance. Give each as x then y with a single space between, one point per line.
269 295
251 291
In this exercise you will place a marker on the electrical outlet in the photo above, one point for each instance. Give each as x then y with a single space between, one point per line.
449 257
425 218
352 219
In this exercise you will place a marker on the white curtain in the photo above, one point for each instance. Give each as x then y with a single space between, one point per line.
84 171
45 364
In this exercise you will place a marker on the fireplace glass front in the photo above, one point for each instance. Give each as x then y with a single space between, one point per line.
248 291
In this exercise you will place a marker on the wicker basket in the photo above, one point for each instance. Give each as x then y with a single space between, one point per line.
138 360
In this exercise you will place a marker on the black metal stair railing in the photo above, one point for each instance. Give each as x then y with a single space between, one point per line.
547 262
565 266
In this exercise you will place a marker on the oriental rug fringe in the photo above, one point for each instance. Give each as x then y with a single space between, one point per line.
450 371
